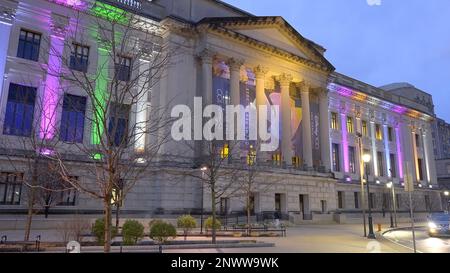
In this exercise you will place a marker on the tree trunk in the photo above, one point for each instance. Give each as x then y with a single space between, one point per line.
117 216
213 210
248 215
29 216
46 211
108 224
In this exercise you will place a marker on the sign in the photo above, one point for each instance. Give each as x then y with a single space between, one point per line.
73 247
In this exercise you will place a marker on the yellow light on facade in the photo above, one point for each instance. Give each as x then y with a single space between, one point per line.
366 158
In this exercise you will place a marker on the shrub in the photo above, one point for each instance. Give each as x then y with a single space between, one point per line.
98 229
186 222
132 232
209 223
161 231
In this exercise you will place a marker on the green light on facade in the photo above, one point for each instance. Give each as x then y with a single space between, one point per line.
110 13
100 93
97 157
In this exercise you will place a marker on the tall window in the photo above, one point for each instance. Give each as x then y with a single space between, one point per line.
350 127
334 121
356 196
393 165
372 200
340 199
367 152
19 110
68 196
29 44
72 119
390 134
123 68
352 158
378 132
365 131
417 140
380 162
224 153
420 165
335 155
79 59
118 124
10 188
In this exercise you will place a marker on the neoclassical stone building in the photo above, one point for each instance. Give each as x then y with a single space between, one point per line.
228 56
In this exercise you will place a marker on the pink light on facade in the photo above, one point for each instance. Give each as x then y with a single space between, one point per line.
345 142
79 4
50 99
399 151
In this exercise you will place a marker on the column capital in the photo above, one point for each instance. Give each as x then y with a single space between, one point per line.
8 11
59 24
145 49
322 92
305 86
260 71
206 55
235 63
285 79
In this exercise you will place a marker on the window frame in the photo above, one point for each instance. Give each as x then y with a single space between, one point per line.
31 45
66 123
334 121
75 57
21 106
122 70
18 181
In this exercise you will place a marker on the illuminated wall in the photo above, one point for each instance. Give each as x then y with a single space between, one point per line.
5 31
100 99
345 142
387 152
399 151
51 95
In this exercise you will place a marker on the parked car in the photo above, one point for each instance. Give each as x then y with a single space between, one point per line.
438 224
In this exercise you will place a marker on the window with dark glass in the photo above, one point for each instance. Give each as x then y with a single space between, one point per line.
19 110
390 134
420 165
393 165
397 200
340 199
79 58
72 118
356 196
123 68
29 44
372 200
118 124
380 162
335 156
334 121
417 140
10 188
352 159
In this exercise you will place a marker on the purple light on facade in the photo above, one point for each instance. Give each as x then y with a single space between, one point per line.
51 98
399 151
345 142
79 4
47 152
399 109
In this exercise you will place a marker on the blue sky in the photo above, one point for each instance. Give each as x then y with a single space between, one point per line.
397 41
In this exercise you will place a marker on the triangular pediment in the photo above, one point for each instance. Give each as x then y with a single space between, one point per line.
274 32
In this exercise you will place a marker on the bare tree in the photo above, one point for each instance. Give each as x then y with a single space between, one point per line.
125 138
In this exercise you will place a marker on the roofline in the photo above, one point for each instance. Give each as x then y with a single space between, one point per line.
229 6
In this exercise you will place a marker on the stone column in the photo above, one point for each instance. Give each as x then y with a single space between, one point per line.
52 91
415 153
142 105
324 129
306 120
235 80
286 130
426 154
207 75
432 179
260 73
7 15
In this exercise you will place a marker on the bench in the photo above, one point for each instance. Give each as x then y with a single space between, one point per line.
264 228
14 246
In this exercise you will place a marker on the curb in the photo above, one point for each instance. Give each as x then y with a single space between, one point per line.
395 242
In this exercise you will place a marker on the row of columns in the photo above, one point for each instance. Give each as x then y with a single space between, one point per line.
285 81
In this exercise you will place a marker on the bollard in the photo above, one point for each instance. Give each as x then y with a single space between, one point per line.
379 227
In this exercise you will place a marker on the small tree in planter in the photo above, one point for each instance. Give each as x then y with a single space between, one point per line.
162 232
98 229
187 223
209 224
132 232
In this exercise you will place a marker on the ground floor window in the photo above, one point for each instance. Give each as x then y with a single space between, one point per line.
340 199
323 204
10 188
356 196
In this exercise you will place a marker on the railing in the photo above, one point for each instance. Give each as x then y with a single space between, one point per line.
135 4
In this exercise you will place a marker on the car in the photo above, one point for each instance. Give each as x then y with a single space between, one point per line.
438 224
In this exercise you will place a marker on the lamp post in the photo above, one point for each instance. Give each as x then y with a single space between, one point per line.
203 169
361 166
366 159
391 186
447 201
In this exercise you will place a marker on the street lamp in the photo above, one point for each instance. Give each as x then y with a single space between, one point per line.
366 159
391 186
447 194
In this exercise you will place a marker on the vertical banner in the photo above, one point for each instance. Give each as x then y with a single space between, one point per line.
315 129
221 95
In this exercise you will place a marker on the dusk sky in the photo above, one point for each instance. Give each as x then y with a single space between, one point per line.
396 41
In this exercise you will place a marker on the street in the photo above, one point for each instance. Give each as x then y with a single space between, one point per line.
425 243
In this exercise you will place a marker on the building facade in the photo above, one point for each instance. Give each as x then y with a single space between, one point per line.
225 56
